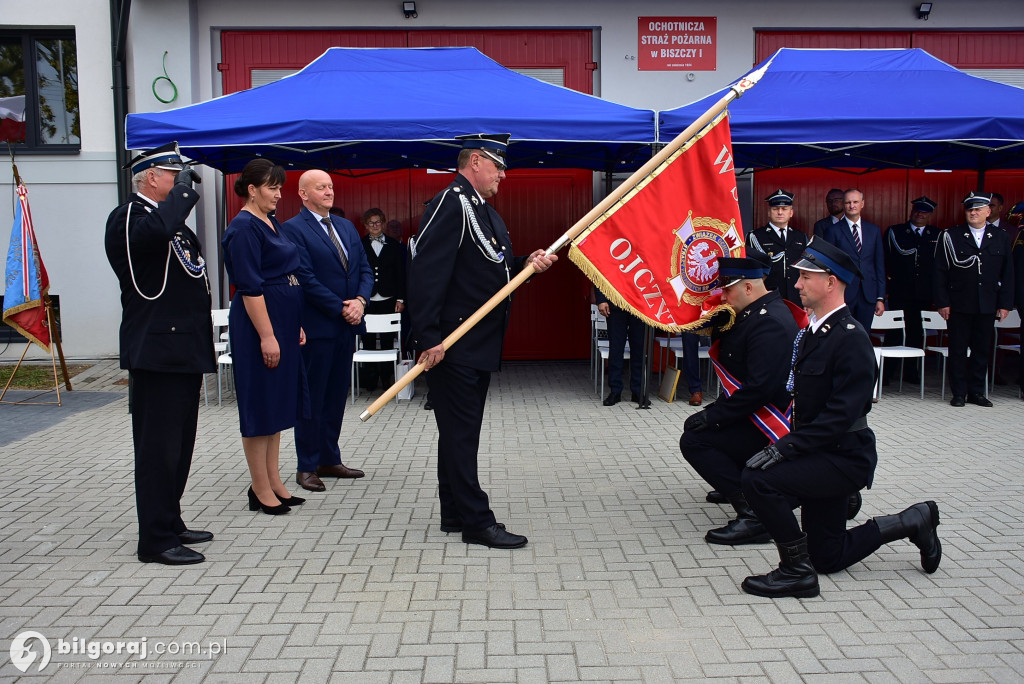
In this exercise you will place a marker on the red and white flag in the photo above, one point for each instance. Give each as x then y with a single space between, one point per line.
655 251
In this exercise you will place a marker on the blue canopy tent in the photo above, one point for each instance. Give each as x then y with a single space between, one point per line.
868 109
322 117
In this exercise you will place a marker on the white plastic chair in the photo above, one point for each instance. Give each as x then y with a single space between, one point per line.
893 320
1011 322
378 323
220 346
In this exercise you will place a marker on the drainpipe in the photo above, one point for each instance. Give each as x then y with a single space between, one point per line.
119 11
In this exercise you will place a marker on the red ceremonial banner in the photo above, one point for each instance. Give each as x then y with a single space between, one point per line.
655 251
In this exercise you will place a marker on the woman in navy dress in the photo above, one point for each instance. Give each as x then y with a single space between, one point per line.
270 379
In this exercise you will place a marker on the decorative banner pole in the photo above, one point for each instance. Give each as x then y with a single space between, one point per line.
735 91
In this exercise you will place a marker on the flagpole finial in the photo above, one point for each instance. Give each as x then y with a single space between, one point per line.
750 80
14 167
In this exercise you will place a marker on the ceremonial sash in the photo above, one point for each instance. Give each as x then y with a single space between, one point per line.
774 423
769 419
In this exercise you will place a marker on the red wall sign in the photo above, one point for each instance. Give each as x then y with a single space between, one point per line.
677 43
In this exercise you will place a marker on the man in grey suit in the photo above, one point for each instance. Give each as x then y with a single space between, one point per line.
865 296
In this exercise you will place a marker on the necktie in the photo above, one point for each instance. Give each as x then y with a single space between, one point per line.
856 237
782 235
336 242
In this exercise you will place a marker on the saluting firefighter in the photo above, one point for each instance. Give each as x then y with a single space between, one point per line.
166 343
829 452
782 244
973 288
910 271
461 258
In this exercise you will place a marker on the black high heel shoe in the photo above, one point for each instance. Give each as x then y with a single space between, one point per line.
256 504
293 501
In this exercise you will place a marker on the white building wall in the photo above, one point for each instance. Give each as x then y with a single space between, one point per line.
71 195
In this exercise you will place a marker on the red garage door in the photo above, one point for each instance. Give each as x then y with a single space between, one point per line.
551 315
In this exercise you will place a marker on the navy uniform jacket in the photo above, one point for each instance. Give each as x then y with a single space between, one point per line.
969 279
910 264
783 276
869 260
455 270
325 283
174 332
833 383
388 268
756 350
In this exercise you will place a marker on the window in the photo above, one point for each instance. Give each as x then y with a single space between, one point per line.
39 91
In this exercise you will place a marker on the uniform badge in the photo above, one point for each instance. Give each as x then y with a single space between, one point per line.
456 189
475 201
763 312
850 326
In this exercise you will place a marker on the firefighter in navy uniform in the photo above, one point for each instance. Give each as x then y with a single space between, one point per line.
973 288
782 244
909 250
166 341
462 256
719 439
830 451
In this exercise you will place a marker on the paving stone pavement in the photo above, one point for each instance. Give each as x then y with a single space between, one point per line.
616 584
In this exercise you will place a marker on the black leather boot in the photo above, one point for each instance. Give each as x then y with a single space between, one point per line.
745 529
917 524
795 575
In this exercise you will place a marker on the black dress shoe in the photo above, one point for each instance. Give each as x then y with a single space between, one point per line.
495 537
195 536
293 501
613 398
979 400
256 505
716 497
427 406
179 555
957 401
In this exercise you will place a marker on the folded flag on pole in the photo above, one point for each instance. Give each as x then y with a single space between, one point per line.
655 251
26 283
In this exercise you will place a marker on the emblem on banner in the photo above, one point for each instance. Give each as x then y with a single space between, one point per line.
699 243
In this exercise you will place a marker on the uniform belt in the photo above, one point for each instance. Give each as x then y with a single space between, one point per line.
859 424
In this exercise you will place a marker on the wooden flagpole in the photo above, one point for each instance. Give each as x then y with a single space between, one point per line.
654 162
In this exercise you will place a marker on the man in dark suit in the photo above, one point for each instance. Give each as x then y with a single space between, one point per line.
834 206
748 357
910 264
462 256
166 343
973 288
386 257
623 328
336 281
863 242
830 451
782 245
